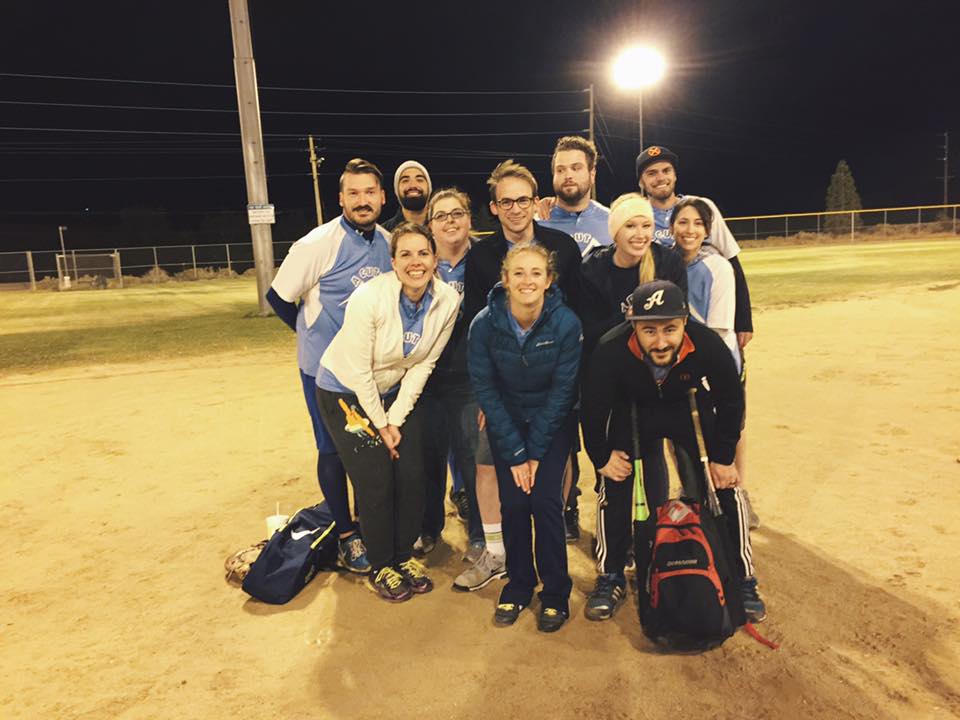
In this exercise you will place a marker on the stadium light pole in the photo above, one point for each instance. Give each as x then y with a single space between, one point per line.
637 68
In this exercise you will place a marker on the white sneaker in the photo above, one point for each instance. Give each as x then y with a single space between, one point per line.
488 568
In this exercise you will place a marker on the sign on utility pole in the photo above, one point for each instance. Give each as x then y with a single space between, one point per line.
251 137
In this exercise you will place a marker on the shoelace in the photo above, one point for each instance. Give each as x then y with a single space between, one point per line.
355 549
414 568
551 612
506 607
391 577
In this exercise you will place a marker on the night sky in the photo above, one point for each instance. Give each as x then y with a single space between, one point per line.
761 99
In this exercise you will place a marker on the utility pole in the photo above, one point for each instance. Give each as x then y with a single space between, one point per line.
946 165
314 164
592 136
260 212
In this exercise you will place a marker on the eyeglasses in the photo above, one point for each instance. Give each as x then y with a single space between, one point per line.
522 202
452 215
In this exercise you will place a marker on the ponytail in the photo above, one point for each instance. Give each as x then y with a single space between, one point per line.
648 267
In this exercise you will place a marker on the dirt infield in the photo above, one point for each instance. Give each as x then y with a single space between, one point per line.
124 487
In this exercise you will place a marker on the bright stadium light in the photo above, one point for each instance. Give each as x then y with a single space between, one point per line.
636 68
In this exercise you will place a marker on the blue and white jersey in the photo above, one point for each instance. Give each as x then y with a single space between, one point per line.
712 296
453 275
588 228
720 237
324 267
411 318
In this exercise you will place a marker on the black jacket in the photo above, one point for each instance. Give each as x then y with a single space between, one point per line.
486 257
617 375
601 306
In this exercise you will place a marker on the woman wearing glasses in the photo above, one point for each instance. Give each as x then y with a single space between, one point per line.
524 354
448 402
371 376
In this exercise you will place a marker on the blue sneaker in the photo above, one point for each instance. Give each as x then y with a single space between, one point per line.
352 555
752 602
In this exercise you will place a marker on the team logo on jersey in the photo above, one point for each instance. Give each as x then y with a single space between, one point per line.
456 285
655 299
364 274
411 338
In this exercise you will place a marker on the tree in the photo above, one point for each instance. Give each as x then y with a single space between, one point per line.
842 195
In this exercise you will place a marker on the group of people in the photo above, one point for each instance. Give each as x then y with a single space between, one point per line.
421 348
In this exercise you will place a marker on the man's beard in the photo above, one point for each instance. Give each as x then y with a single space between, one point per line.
573 195
413 203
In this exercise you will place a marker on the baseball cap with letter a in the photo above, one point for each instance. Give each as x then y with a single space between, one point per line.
656 300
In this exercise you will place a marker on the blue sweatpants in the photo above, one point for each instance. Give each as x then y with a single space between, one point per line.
545 505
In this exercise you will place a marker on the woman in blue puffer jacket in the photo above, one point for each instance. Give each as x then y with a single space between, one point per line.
524 353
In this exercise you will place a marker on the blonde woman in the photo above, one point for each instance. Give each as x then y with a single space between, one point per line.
524 355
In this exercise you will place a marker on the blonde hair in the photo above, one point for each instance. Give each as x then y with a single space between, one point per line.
622 209
508 168
548 257
450 192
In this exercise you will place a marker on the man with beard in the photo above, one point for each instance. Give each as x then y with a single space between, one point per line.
657 178
574 167
321 270
412 186
634 396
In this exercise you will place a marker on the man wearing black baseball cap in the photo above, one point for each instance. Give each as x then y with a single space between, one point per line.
657 178
634 395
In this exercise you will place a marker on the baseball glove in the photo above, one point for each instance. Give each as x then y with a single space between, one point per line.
238 564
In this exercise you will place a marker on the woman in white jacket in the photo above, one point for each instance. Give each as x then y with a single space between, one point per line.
371 376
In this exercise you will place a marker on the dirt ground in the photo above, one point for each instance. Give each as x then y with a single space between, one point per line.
124 487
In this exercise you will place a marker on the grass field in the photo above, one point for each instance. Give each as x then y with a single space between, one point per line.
40 330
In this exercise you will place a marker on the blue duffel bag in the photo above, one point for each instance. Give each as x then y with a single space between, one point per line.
300 549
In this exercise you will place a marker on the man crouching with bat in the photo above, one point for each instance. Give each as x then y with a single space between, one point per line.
639 388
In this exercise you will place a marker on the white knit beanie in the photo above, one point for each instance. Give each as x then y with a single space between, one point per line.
406 165
626 207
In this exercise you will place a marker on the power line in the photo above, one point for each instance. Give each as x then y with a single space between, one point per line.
309 113
295 135
363 91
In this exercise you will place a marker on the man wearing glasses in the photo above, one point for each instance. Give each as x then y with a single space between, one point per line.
513 199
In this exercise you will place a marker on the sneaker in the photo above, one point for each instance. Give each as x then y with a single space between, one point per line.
550 619
571 521
474 551
753 520
507 613
424 544
608 593
390 585
415 576
352 555
485 570
752 602
459 499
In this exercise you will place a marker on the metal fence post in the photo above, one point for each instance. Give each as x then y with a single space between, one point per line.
954 219
884 223
156 266
754 228
117 267
229 267
919 219
76 273
852 226
818 224
193 256
786 227
33 277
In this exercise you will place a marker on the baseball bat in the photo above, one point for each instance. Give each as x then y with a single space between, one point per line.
640 510
712 501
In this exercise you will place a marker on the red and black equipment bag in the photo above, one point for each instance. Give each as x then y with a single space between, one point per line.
690 595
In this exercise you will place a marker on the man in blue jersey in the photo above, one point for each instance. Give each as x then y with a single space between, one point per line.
321 270
574 167
657 178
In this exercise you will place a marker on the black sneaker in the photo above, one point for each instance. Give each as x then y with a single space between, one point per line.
571 521
424 544
550 619
390 585
507 613
459 499
753 604
608 593
415 576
